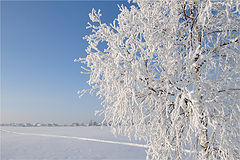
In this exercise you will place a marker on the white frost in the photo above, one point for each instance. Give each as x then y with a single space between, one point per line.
170 75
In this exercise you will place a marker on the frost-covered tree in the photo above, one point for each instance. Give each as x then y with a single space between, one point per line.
170 75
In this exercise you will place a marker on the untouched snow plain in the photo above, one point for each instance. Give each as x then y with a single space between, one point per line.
67 143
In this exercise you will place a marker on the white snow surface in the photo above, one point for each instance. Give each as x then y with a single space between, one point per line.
71 143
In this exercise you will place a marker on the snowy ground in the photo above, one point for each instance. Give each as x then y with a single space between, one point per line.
71 143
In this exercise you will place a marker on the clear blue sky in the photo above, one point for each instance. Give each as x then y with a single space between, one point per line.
39 41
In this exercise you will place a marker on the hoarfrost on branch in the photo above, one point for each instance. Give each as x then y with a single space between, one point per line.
170 75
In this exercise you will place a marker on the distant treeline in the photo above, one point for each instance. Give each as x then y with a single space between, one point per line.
91 123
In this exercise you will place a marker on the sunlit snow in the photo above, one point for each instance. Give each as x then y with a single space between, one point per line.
67 143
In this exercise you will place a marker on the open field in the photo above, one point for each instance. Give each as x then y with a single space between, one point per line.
72 143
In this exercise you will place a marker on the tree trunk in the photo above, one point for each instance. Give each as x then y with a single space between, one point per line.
203 119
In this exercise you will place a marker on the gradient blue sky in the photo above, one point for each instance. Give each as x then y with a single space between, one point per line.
39 41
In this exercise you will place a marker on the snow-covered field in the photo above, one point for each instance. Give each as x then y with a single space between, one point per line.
71 143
